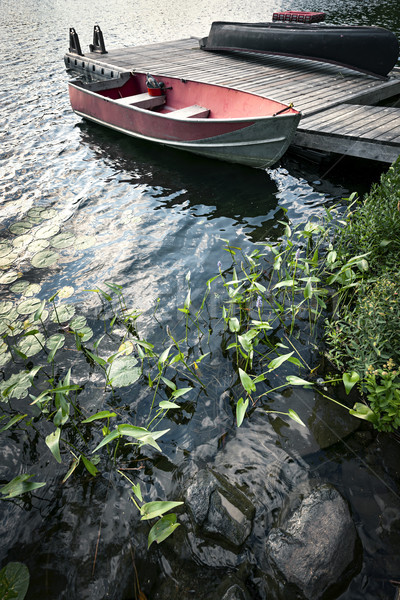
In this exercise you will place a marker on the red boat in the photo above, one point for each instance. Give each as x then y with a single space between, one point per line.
206 119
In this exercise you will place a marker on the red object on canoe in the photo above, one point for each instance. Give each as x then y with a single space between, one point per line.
299 16
154 91
211 120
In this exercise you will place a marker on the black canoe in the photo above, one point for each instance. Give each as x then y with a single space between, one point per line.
372 50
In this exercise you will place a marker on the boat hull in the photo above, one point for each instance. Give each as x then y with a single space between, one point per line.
254 141
372 50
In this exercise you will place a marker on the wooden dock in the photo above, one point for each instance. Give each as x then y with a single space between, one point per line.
339 106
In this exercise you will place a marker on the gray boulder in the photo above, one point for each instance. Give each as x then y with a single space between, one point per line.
219 509
316 545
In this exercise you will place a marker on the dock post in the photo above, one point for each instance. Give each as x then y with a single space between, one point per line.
74 45
98 41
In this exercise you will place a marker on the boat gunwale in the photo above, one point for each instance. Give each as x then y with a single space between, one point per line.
170 116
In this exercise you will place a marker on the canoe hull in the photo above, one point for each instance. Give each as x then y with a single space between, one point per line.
255 141
373 50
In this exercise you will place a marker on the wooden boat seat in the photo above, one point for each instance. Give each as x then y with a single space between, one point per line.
188 112
142 100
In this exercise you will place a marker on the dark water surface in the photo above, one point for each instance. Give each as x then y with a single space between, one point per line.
147 216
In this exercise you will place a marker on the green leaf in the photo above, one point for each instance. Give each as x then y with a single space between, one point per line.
181 392
14 581
166 404
164 356
52 442
186 305
19 485
97 359
308 290
294 380
151 510
107 439
234 324
286 283
361 411
350 380
72 468
246 381
293 415
169 383
89 466
39 312
103 414
241 408
276 362
137 491
12 422
162 529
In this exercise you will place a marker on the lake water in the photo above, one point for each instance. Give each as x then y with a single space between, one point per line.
147 216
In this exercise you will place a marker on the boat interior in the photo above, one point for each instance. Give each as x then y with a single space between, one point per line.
182 99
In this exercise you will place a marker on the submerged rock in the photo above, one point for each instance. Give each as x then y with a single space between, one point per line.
219 509
316 545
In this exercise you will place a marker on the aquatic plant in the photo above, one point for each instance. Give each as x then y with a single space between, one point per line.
363 334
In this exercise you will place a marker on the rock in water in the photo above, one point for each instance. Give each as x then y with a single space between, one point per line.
219 508
316 545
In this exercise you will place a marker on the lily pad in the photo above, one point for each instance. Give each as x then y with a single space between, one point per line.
31 344
7 321
14 577
32 290
38 246
62 313
20 286
85 334
7 261
9 277
5 307
21 227
66 292
27 307
84 241
62 240
44 259
48 213
32 324
15 328
78 323
5 358
123 371
47 231
22 241
16 386
5 248
55 341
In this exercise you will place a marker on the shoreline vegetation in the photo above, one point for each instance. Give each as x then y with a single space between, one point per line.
330 284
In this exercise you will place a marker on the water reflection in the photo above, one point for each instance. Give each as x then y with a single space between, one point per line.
213 189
